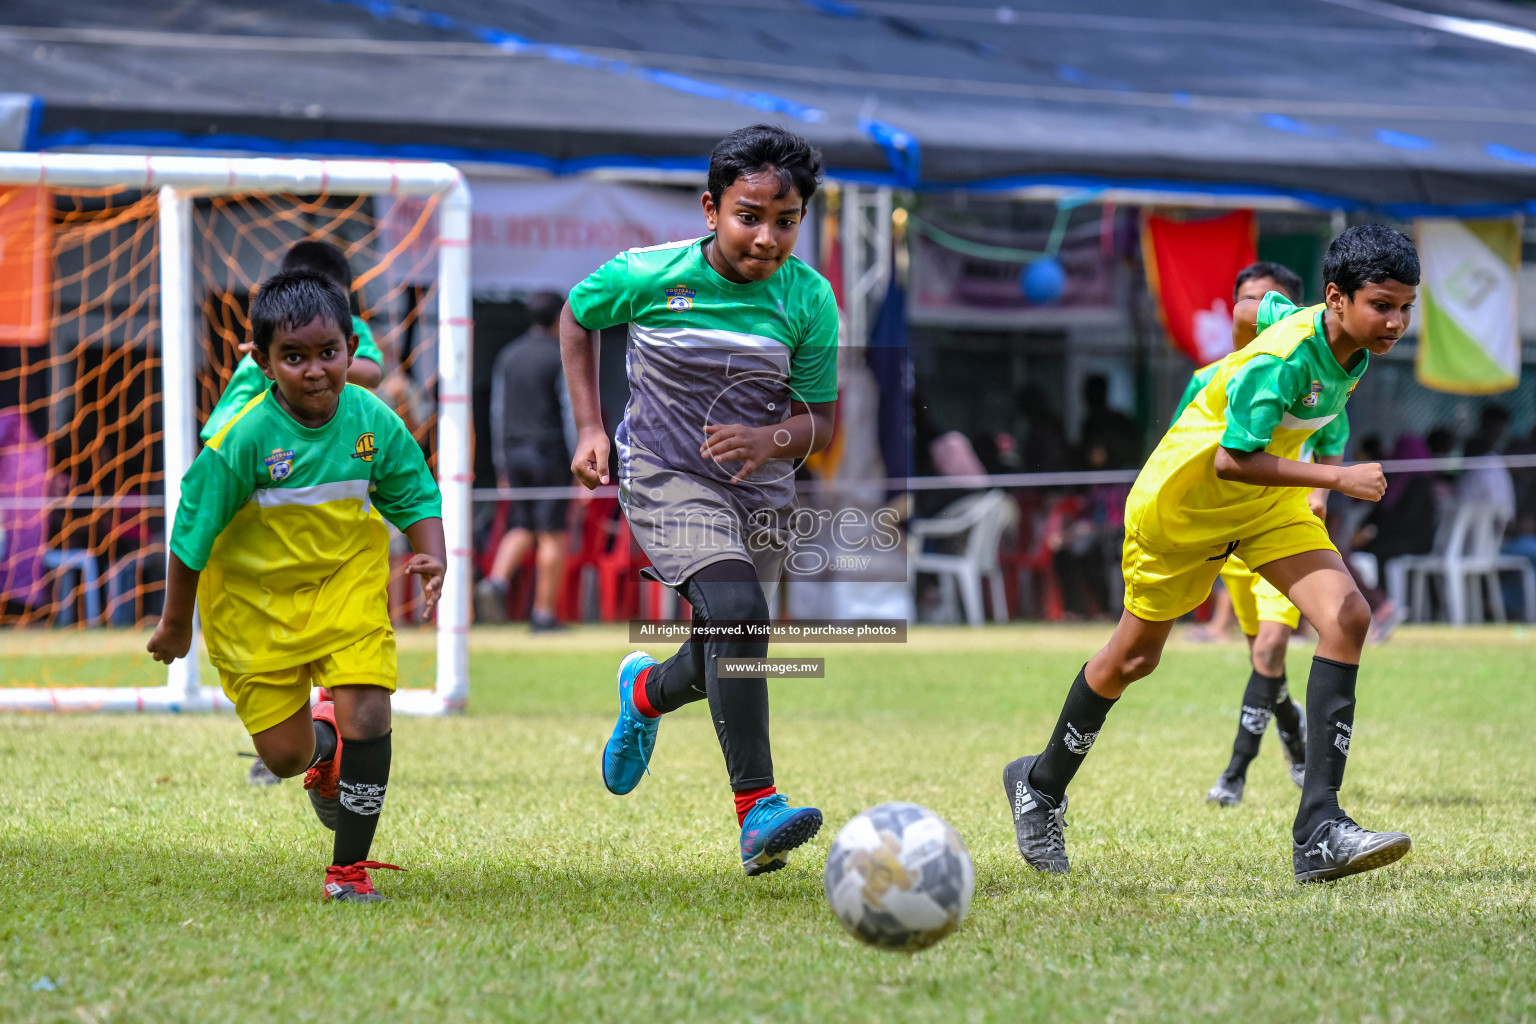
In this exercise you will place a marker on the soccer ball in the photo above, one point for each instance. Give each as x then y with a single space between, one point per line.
899 878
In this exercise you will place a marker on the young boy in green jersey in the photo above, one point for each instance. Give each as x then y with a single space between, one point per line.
733 375
279 537
367 368
1227 479
1266 618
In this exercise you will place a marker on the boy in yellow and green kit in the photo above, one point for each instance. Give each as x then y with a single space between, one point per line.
279 536
1227 479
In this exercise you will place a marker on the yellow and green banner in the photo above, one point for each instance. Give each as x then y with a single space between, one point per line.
1469 329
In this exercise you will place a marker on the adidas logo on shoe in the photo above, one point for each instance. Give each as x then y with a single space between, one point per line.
1023 803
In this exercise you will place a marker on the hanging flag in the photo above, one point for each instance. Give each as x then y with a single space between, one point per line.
1469 327
1191 265
24 264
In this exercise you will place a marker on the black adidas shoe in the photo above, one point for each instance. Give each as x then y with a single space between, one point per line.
1294 745
1228 791
1037 822
1340 847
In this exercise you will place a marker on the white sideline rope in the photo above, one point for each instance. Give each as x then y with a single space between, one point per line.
1451 463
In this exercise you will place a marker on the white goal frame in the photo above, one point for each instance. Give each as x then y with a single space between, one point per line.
180 179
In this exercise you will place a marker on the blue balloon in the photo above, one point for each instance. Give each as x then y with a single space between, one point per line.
1043 281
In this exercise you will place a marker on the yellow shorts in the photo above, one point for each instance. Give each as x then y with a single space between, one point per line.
264 699
1255 599
1162 585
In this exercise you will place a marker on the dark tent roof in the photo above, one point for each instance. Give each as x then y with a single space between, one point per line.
1334 102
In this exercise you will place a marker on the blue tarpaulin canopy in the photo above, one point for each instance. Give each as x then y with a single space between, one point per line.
1331 103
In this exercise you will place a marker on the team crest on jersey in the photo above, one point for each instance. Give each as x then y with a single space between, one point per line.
364 448
1316 389
279 463
680 298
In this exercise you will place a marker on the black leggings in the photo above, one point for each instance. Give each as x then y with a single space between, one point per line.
723 592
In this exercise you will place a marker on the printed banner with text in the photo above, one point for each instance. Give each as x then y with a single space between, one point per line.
533 235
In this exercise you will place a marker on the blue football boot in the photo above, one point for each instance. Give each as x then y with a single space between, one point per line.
771 829
627 756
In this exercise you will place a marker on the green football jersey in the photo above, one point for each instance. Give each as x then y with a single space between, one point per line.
1272 396
248 381
706 350
1330 439
285 523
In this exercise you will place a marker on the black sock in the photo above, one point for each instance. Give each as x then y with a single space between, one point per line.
325 742
1330 721
1082 716
364 778
1287 715
680 680
1252 719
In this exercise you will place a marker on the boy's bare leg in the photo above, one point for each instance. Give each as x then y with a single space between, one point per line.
1327 843
1318 583
1131 654
491 592
1267 650
288 748
363 722
551 574
510 553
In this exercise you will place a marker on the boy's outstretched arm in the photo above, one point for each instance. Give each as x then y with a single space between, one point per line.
172 638
578 355
1363 481
807 431
430 558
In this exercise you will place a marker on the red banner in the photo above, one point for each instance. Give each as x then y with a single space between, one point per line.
23 265
1191 266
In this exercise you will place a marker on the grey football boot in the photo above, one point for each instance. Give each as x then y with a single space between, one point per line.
1037 823
1339 848
1228 791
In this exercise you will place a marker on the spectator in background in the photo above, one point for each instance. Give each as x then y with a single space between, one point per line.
1086 546
1522 534
532 436
1107 428
1488 485
1403 522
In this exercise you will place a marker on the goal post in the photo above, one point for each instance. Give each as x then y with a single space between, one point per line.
176 183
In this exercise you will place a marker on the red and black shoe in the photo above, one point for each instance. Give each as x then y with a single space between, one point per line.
349 883
321 780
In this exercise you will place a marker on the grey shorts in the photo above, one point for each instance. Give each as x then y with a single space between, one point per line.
684 522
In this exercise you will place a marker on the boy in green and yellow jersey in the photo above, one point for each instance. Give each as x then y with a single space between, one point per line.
279 536
1228 479
1264 614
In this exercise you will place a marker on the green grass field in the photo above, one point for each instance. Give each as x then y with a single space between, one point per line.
145 880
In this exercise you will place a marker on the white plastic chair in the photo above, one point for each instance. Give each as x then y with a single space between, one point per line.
1466 556
69 562
981 519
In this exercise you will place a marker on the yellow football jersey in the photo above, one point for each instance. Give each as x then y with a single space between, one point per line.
284 521
1271 396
